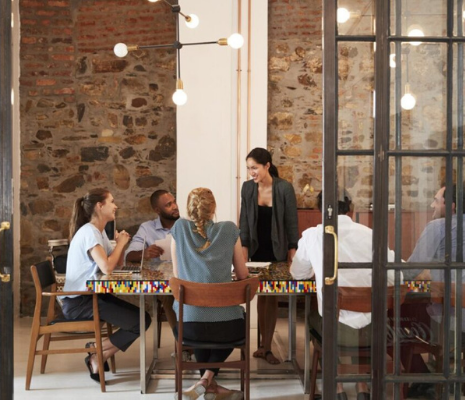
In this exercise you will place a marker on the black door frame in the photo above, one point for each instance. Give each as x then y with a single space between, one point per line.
6 205
380 200
382 154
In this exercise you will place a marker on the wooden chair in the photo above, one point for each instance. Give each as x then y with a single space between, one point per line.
44 277
214 295
356 299
435 346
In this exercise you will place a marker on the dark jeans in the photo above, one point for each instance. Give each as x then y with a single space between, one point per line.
113 310
214 332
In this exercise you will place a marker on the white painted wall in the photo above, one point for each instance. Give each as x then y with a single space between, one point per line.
207 124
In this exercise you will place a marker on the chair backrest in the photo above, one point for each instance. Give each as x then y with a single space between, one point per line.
358 299
437 290
43 275
214 294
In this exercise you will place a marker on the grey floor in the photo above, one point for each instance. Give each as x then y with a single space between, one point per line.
67 378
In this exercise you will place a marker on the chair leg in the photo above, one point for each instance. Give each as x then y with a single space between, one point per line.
246 378
316 356
31 357
44 357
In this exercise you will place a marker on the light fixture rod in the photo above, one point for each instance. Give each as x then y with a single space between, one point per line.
156 46
177 9
199 43
178 49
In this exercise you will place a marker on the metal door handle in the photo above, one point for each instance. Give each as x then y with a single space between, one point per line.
330 230
5 225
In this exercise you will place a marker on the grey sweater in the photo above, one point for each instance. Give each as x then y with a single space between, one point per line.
284 228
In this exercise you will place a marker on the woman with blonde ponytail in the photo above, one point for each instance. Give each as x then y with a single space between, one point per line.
91 252
203 251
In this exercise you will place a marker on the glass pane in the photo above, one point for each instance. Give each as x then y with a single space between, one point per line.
418 390
355 17
458 95
413 184
418 18
418 96
355 174
459 17
356 95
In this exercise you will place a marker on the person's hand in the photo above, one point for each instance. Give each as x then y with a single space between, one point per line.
290 254
153 251
424 275
122 237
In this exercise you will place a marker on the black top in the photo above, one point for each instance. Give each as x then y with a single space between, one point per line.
265 245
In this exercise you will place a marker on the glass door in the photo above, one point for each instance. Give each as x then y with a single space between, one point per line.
393 145
6 207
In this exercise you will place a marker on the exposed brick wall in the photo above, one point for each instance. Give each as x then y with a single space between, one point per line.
90 119
295 109
295 93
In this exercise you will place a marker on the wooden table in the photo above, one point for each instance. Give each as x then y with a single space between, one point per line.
154 280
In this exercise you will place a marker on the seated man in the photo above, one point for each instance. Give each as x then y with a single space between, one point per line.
355 245
164 204
431 247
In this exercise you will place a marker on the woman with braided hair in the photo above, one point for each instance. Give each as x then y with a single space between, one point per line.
91 252
203 251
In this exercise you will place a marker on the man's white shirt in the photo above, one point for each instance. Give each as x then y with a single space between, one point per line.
355 246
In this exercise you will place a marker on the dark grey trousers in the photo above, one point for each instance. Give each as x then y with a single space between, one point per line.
113 310
214 332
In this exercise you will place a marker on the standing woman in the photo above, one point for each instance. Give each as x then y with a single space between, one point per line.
203 251
269 232
90 252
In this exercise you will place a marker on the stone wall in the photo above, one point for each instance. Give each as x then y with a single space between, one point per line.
295 106
90 119
295 109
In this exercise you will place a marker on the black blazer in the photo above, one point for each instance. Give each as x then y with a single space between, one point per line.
284 227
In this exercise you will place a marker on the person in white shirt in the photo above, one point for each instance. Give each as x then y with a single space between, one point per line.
355 246
90 252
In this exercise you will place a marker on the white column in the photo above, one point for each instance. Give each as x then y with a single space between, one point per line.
207 123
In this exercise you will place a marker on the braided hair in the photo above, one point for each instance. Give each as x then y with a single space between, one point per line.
201 206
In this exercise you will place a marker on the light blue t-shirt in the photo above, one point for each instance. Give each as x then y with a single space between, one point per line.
80 265
211 265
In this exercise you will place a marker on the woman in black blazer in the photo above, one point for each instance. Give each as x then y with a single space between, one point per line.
269 232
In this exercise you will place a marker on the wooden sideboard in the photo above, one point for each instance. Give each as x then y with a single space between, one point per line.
413 223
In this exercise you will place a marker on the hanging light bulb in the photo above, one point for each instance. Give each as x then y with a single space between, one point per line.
408 100
179 96
153 1
236 41
343 15
120 49
392 60
415 31
192 21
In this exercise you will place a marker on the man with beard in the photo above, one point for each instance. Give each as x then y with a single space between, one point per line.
431 247
164 205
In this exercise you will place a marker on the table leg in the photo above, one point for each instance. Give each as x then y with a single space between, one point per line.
306 382
292 327
143 380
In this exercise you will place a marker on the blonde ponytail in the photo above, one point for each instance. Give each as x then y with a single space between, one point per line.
201 207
